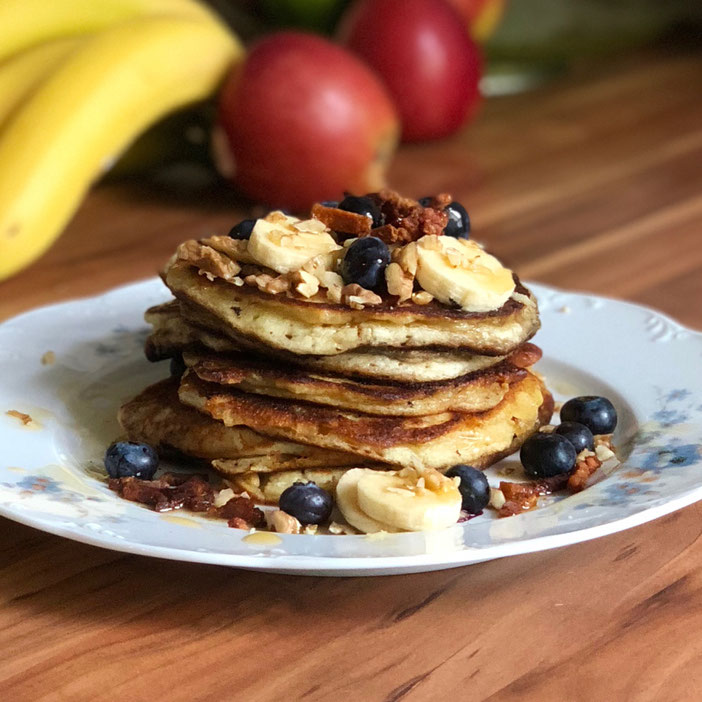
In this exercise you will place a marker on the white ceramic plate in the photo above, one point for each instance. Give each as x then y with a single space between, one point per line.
648 365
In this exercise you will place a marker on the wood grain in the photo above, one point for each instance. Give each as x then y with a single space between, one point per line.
591 184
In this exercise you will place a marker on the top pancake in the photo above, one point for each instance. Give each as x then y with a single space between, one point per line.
318 328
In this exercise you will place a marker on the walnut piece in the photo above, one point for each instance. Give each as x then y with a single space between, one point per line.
304 283
268 284
284 523
399 282
406 256
422 297
357 297
207 260
235 249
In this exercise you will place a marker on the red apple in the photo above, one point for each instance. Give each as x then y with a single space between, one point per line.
427 60
304 120
481 16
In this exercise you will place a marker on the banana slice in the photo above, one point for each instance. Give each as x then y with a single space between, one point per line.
285 243
409 502
347 502
459 271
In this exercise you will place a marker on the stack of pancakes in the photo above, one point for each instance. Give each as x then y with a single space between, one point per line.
278 388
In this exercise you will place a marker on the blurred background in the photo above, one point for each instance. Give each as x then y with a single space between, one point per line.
223 108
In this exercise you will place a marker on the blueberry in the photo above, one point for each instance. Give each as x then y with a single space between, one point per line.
362 205
578 435
177 366
125 459
365 262
596 413
307 502
546 455
459 222
330 203
474 487
243 229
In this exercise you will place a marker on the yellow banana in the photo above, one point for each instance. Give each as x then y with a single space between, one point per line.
25 23
107 92
19 75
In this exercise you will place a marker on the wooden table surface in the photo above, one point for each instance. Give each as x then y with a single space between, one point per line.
593 183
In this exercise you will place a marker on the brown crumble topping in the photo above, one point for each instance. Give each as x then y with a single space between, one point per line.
406 219
521 497
348 223
584 468
192 492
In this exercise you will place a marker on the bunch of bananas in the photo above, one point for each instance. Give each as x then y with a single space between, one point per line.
79 81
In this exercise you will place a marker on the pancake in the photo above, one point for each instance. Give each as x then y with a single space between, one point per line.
434 441
267 486
172 334
475 392
158 418
320 328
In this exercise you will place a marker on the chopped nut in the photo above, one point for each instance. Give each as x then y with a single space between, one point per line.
497 498
603 453
455 258
406 256
336 528
277 217
334 294
399 283
329 279
236 249
604 440
585 453
433 480
422 297
48 358
207 260
357 297
432 243
313 226
223 496
238 523
284 523
547 428
269 284
322 263
309 529
305 283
